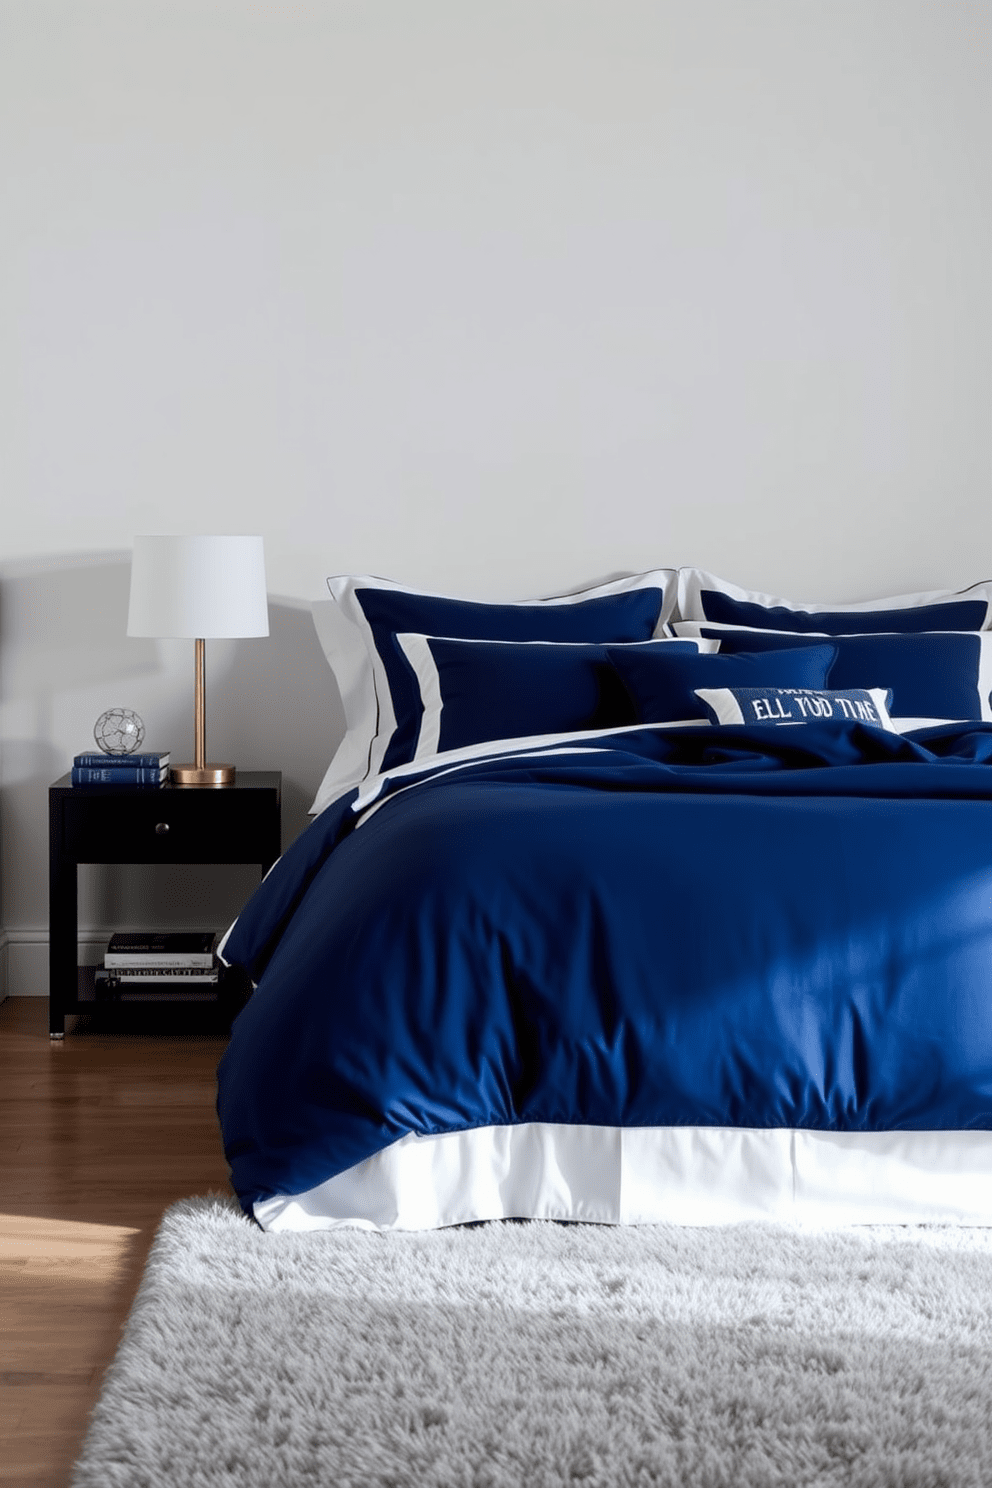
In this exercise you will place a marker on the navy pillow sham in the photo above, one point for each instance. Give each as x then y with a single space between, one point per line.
957 615
704 597
629 616
476 691
939 675
662 687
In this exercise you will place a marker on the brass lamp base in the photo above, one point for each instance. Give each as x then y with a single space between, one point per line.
202 774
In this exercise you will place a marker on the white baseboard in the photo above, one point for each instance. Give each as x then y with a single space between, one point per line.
24 959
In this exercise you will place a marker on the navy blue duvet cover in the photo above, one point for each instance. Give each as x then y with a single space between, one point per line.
736 926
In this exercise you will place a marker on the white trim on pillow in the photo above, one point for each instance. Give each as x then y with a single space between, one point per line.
910 725
420 656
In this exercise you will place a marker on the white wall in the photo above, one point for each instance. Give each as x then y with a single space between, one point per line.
489 295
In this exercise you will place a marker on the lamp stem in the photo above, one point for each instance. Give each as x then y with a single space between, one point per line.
199 772
200 708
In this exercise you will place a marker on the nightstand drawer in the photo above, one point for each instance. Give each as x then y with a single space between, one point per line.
168 826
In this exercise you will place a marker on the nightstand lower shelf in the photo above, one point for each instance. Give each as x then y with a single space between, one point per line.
195 1015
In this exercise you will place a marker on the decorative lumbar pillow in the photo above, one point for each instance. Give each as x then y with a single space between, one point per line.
358 627
797 705
702 596
477 691
663 687
937 676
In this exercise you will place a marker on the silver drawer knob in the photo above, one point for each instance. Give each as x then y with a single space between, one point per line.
161 828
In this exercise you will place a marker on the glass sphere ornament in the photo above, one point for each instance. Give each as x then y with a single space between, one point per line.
119 731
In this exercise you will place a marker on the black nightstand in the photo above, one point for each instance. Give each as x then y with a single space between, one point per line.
238 823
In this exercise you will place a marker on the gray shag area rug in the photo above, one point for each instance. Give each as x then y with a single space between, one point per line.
540 1354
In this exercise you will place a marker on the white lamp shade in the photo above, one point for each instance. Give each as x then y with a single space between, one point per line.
209 587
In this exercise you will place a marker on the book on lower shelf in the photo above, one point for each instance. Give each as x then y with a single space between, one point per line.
185 950
142 975
111 986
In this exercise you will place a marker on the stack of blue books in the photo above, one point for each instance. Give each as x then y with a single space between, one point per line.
121 769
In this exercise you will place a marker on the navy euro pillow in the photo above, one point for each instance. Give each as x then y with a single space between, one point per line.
662 687
478 691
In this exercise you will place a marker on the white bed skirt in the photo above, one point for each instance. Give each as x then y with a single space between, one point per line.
696 1175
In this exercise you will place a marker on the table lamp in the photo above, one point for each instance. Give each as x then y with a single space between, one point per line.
200 588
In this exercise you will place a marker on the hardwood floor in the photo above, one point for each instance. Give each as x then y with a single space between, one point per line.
98 1135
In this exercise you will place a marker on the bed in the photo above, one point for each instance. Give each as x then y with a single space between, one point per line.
662 901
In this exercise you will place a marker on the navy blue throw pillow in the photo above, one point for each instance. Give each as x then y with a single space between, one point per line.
792 706
662 688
